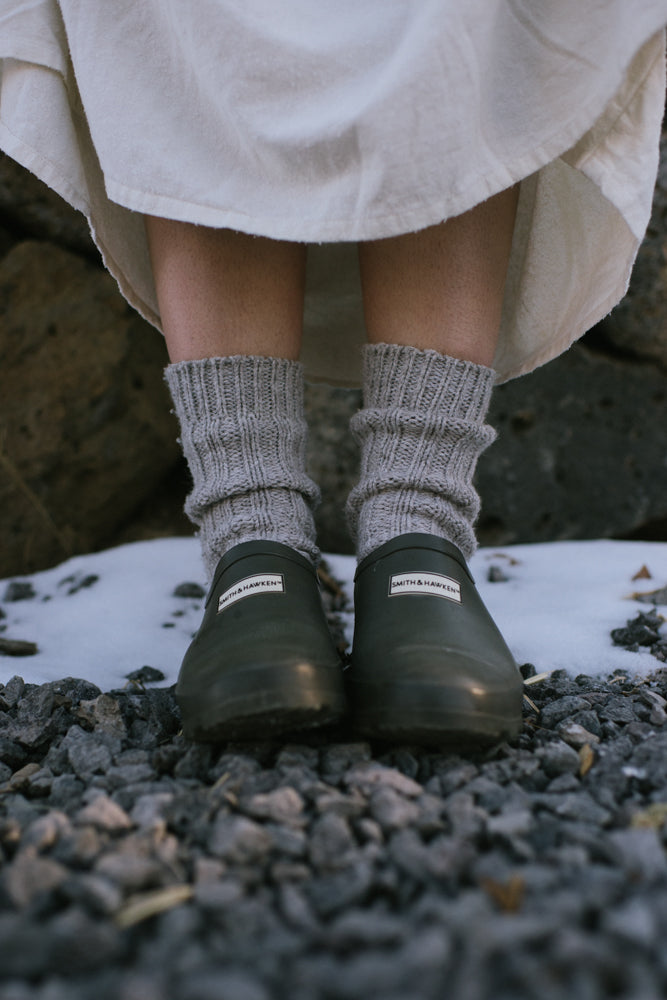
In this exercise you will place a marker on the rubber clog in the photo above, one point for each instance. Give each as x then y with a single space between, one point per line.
263 661
428 663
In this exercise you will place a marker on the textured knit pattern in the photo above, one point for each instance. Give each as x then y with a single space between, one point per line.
243 433
421 431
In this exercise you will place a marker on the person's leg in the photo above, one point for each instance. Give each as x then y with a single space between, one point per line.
224 293
231 307
432 303
428 664
263 660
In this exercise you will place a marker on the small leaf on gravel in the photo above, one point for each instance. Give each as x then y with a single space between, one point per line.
586 758
652 818
508 896
656 597
149 904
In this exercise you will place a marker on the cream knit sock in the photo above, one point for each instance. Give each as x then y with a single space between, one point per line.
421 431
243 433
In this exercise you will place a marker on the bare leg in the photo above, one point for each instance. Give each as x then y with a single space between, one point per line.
232 308
442 288
226 293
433 302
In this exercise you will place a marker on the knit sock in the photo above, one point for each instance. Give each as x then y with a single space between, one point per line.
243 433
421 432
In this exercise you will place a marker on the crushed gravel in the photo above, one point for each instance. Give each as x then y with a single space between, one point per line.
134 864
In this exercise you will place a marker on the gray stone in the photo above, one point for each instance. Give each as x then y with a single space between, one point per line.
282 805
331 842
562 708
391 810
30 875
559 758
296 908
222 985
88 757
149 810
105 814
95 893
338 758
24 948
104 713
633 922
79 944
12 691
577 806
45 831
332 892
578 451
640 853
509 825
576 735
73 444
638 325
365 928
287 840
219 896
239 840
130 871
371 776
130 774
31 209
464 817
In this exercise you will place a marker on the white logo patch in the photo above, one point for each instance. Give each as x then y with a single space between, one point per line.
261 583
434 584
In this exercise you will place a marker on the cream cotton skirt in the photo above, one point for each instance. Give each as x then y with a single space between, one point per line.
333 122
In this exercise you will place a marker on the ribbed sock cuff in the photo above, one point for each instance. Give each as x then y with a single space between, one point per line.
421 431
243 433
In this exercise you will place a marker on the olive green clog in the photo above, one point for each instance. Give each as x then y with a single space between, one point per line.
428 663
263 661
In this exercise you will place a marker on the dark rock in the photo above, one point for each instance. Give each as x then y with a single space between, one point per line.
391 810
31 209
559 758
549 476
74 443
239 840
331 843
18 590
79 944
17 647
146 675
636 327
190 590
78 581
563 708
644 630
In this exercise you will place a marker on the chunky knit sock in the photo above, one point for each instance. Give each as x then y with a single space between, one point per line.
243 433
421 431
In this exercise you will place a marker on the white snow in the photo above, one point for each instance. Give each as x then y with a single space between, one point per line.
556 609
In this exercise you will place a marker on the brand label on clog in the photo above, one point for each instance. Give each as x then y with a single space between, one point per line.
261 583
433 584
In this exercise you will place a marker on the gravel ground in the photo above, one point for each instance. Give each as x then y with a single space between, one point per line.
135 865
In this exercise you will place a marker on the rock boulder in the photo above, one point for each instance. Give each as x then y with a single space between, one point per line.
85 429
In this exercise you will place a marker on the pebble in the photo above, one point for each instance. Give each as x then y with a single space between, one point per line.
104 814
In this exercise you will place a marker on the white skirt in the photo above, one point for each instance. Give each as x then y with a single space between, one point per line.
333 122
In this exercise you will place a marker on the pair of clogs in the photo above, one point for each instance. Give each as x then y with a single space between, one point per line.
428 663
